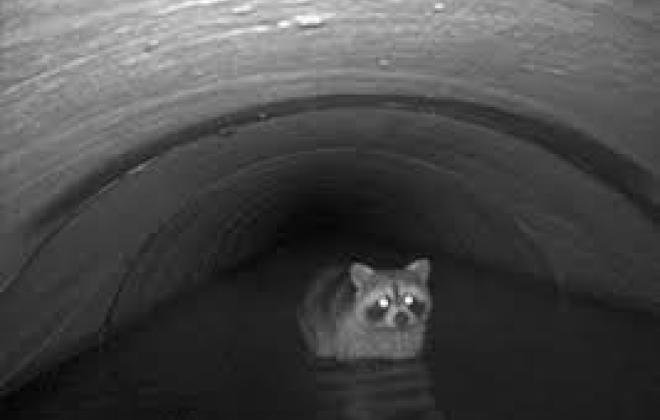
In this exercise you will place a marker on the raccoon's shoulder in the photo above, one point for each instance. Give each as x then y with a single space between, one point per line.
331 291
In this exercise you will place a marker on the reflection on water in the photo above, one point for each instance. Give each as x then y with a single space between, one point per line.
375 391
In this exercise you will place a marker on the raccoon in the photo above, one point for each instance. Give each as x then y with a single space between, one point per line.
359 312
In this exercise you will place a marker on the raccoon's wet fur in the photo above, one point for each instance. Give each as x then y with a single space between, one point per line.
358 312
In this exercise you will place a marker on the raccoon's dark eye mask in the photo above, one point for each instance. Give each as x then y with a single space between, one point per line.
417 307
376 312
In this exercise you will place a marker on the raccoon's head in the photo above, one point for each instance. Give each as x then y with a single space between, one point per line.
392 299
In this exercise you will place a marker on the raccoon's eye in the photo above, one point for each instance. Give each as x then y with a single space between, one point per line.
416 306
383 302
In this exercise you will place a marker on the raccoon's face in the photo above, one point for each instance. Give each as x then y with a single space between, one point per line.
392 299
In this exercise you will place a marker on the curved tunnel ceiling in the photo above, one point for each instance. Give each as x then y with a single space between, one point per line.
484 133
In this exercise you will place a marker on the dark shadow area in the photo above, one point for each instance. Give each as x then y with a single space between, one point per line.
499 348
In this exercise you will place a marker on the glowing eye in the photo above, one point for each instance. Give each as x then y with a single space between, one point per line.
383 302
408 299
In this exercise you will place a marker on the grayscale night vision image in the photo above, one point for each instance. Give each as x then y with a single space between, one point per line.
330 210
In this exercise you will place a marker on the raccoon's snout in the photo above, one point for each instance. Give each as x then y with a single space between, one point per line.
401 319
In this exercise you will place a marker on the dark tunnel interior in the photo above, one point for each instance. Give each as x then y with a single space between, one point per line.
176 176
213 233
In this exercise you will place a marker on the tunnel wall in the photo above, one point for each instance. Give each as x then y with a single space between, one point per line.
98 96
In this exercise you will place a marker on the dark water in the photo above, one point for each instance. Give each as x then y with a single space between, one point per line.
497 350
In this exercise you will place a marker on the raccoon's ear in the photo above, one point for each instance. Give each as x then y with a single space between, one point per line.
360 274
422 268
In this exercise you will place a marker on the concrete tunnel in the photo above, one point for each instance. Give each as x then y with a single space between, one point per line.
148 147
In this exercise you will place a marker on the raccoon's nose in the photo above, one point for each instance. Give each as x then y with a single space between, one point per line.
401 319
